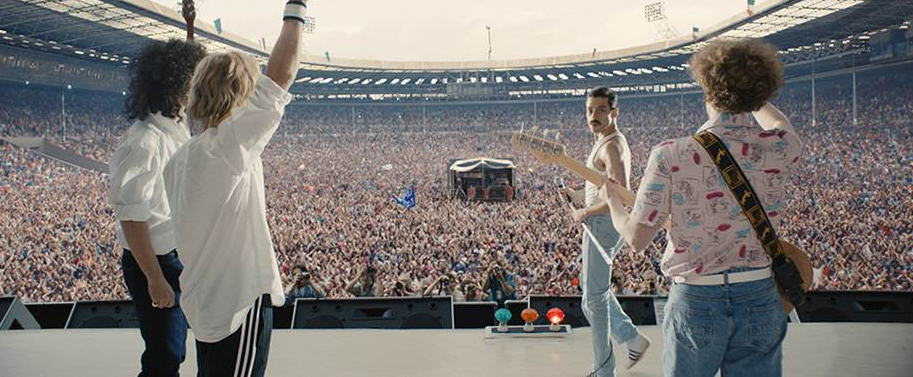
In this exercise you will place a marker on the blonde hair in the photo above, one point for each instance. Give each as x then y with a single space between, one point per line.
220 83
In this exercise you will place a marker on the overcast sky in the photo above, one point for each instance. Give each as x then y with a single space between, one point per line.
439 30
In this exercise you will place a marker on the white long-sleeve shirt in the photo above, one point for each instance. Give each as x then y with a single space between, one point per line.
215 187
137 191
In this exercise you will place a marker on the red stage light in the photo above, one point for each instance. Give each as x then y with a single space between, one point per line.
555 316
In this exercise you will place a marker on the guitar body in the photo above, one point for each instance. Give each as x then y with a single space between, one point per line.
803 264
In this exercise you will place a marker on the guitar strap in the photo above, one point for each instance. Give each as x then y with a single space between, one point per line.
785 271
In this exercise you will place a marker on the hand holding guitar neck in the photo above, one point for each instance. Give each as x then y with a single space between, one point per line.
555 153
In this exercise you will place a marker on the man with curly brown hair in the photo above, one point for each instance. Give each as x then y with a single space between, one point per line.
158 95
724 312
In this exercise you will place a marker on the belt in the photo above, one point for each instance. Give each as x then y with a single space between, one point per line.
720 279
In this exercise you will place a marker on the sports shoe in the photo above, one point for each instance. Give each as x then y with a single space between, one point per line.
636 349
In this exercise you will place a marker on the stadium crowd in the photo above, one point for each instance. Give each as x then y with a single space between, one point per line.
330 204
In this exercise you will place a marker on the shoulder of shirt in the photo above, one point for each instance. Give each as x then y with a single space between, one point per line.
673 144
142 134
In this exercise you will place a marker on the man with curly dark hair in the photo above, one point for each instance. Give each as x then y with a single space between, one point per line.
158 95
724 312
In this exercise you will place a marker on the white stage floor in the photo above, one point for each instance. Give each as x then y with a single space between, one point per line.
860 349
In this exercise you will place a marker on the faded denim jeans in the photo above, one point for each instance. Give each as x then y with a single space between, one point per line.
737 329
601 308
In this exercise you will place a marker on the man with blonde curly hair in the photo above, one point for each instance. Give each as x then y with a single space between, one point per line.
215 186
724 312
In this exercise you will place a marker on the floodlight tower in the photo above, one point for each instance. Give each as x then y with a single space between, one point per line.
310 24
656 14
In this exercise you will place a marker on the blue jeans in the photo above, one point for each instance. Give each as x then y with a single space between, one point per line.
600 306
164 331
735 328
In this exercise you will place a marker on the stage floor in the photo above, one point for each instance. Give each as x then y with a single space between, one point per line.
858 349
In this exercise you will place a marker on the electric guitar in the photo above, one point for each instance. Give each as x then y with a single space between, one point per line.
553 152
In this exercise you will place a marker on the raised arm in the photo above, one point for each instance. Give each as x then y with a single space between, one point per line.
189 11
283 60
351 284
770 118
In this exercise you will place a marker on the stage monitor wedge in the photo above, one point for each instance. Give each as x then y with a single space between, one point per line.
15 316
51 315
104 314
890 307
374 313
474 315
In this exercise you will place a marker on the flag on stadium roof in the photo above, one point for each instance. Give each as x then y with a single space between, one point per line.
218 24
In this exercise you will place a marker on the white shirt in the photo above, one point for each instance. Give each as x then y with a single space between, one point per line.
215 186
590 190
137 192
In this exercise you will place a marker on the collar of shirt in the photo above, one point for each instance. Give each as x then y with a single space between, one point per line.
720 120
171 127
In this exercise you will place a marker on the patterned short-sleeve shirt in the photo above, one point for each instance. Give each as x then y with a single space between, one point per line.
709 232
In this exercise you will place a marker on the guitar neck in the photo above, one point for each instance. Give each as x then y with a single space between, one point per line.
598 179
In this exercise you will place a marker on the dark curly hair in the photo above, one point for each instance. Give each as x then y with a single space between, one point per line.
738 76
604 92
160 78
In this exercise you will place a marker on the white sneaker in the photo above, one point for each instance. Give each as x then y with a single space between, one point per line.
636 349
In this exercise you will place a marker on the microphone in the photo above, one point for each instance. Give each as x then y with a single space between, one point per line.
560 183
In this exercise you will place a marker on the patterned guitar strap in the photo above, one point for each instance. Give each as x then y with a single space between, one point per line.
784 270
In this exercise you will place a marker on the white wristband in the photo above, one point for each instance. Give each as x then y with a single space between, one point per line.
295 10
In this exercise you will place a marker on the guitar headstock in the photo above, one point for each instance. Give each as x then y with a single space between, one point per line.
542 149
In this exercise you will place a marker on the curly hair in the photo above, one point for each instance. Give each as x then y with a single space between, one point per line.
738 76
160 78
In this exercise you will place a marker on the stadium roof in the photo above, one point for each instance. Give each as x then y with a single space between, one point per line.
802 29
769 20
106 30
115 31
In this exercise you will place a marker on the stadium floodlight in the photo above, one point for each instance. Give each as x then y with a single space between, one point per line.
309 25
654 12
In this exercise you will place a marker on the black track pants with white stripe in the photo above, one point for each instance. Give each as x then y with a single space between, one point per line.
243 353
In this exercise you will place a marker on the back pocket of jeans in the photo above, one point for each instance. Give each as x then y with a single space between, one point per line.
694 328
767 325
